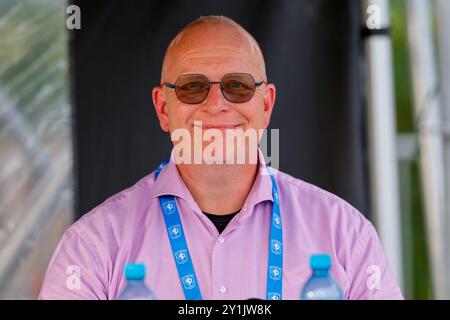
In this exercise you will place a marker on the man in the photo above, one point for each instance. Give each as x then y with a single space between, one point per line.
242 233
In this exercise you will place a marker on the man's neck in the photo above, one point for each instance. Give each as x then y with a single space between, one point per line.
219 189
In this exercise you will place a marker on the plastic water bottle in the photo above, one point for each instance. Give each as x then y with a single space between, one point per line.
135 288
321 285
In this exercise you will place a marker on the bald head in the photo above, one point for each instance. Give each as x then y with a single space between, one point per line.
213 36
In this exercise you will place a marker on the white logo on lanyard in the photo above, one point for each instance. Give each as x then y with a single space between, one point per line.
277 221
188 281
161 166
275 273
175 231
274 296
170 206
276 196
277 246
181 256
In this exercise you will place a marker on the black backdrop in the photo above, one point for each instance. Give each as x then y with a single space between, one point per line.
313 54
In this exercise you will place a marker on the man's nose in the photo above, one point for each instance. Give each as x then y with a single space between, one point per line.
215 102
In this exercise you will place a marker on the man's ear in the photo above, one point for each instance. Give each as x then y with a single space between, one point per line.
159 101
269 102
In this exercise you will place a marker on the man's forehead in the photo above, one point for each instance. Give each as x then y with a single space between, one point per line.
225 45
213 60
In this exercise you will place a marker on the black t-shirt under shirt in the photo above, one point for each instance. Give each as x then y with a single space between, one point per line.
221 221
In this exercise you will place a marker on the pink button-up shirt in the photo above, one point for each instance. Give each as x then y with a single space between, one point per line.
129 227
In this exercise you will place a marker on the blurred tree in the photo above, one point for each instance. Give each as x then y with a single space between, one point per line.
416 252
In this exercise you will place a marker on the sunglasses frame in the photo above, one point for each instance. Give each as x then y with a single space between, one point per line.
173 86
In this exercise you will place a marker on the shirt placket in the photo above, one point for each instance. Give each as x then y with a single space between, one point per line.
220 289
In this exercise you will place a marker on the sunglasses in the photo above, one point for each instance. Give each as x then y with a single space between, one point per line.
194 88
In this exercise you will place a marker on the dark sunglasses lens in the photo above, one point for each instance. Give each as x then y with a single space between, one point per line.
238 87
192 89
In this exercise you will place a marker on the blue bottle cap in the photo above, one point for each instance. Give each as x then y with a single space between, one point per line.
134 271
320 262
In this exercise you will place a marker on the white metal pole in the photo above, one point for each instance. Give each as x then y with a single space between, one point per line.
443 15
429 123
382 133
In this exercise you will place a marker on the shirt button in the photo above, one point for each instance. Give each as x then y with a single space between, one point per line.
221 240
223 289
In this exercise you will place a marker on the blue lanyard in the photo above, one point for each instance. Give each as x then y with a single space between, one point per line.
183 260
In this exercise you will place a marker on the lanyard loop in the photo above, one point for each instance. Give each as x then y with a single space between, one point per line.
182 256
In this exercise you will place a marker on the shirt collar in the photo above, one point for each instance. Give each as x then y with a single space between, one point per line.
169 182
262 187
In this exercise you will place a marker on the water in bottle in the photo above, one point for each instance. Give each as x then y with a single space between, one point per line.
135 288
321 285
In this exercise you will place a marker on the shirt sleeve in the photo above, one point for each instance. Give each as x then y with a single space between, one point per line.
74 271
370 275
